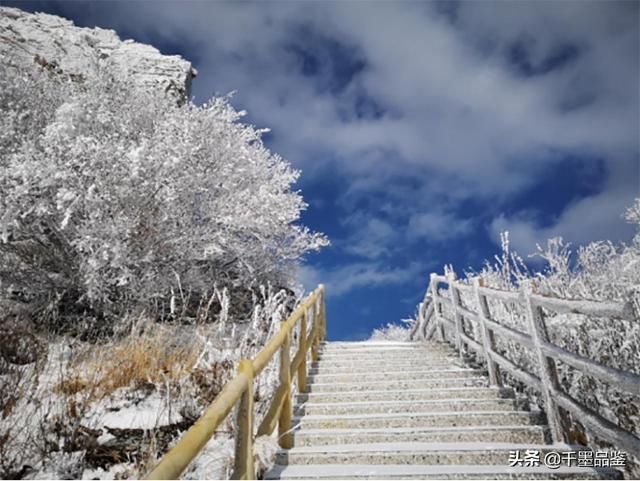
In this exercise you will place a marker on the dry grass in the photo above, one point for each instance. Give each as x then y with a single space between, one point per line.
211 380
144 358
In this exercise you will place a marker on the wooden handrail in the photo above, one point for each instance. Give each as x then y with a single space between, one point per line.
239 391
546 353
488 338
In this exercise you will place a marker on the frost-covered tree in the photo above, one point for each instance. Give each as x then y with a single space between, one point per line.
112 195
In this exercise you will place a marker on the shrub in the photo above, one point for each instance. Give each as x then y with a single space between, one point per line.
114 196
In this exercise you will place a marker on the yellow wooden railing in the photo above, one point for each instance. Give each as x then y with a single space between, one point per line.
239 391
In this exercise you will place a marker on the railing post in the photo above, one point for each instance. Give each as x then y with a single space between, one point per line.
427 331
323 314
315 329
488 340
457 318
437 305
418 324
302 347
243 465
285 436
548 374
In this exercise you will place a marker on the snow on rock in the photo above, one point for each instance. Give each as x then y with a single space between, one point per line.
57 44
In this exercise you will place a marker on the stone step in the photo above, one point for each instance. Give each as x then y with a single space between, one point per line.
403 471
332 347
419 419
379 364
416 354
390 347
534 434
316 368
381 347
416 453
387 374
415 362
358 344
391 365
400 351
434 405
397 384
407 394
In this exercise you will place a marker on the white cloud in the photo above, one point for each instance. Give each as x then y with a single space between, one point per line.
370 238
343 279
437 226
597 217
461 121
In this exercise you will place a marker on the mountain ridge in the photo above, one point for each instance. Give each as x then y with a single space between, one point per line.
55 43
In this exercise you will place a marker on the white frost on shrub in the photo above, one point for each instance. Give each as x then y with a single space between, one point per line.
114 192
393 332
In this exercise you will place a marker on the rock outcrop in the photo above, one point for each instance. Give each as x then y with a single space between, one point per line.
56 43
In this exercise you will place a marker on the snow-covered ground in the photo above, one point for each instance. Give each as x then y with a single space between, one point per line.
68 419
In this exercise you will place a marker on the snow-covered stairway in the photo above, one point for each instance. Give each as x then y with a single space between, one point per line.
394 410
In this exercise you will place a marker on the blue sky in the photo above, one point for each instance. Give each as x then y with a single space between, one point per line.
422 129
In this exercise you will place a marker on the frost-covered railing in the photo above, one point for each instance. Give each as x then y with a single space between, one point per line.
239 391
431 319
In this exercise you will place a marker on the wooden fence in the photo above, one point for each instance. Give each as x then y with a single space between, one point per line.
311 317
432 320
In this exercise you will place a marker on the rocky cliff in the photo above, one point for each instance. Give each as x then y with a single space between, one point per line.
55 43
